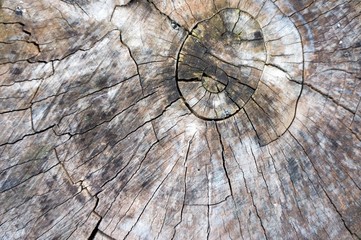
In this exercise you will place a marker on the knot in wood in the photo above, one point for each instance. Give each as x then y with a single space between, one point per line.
220 64
236 62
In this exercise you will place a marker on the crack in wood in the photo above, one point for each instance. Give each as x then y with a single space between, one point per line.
236 119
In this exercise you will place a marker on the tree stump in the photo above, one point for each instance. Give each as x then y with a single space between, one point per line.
182 119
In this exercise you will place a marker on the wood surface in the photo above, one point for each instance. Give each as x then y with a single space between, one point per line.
180 119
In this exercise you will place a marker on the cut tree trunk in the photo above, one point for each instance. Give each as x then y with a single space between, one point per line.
184 119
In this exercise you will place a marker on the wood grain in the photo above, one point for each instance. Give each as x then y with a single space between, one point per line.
182 119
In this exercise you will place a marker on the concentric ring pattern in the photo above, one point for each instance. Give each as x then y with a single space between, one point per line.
235 62
180 119
220 64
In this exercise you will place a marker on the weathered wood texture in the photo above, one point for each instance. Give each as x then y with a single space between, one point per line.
184 119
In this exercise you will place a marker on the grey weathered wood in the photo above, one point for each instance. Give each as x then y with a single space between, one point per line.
182 119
